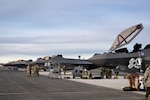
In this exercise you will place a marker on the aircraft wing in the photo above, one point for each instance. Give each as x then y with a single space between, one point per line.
126 36
58 59
68 62
18 64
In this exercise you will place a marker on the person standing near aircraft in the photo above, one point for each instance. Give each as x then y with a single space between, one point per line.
108 73
64 69
36 70
141 86
131 77
102 72
85 73
147 82
116 72
28 70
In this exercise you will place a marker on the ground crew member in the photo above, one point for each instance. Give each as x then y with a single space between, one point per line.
37 70
108 73
34 70
84 73
141 86
102 72
28 70
131 78
64 69
116 70
90 75
147 82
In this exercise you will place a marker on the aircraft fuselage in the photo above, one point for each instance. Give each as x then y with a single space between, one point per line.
131 60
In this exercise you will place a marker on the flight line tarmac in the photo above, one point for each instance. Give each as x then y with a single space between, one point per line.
15 85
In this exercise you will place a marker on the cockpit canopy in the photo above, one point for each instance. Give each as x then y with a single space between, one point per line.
147 46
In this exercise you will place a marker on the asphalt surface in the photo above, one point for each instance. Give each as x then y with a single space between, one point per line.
15 85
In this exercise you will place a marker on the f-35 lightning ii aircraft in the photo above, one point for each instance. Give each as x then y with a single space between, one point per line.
133 62
69 63
18 64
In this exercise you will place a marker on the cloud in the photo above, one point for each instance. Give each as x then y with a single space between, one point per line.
34 28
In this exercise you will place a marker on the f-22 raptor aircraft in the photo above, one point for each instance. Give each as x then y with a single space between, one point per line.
133 62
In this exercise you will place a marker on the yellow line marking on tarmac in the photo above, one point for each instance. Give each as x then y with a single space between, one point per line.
13 93
58 92
76 92
65 92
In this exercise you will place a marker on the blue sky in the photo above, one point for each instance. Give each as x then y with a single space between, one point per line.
36 28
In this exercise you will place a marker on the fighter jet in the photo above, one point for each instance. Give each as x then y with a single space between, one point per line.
74 66
18 64
133 62
69 63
